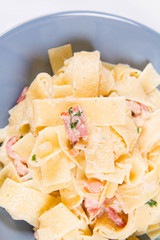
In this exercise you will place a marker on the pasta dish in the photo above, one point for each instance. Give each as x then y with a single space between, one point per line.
80 157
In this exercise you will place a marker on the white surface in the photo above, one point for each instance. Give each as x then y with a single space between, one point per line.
15 12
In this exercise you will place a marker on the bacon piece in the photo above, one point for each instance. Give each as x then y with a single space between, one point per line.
139 120
102 210
20 167
81 126
18 162
22 95
143 107
138 109
75 125
113 202
11 153
93 212
115 217
73 134
110 206
91 203
92 206
135 108
93 186
140 112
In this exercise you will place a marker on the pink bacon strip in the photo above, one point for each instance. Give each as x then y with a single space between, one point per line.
92 206
112 202
22 95
110 206
115 217
93 186
11 153
91 203
18 161
93 212
137 108
20 167
75 124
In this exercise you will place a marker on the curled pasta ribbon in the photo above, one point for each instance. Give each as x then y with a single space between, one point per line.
47 82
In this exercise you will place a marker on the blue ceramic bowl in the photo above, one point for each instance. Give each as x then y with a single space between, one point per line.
23 54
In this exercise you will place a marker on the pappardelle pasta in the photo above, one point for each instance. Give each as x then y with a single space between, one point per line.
80 157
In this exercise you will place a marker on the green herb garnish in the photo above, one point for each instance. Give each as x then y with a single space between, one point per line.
78 114
137 129
73 124
73 145
7 195
152 203
21 137
34 157
70 111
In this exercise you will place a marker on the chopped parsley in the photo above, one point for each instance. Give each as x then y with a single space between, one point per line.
21 137
70 111
78 114
73 124
34 157
72 114
137 129
73 145
152 203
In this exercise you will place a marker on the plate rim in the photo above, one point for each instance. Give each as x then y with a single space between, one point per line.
97 14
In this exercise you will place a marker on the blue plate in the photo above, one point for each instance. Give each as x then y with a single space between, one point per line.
23 54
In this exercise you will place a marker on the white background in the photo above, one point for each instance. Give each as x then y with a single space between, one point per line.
15 12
